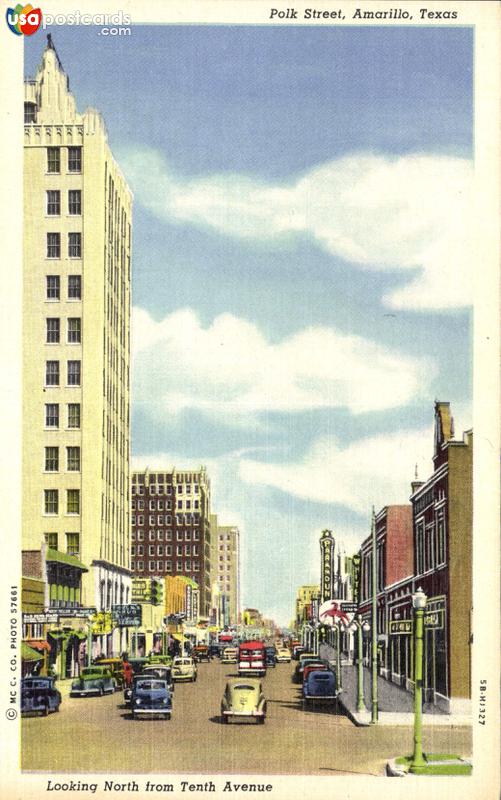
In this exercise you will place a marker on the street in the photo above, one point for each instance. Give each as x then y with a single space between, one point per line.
99 735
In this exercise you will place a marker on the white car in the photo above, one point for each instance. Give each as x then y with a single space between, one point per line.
184 669
283 654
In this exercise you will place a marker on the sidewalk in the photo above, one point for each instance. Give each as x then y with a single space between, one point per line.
395 705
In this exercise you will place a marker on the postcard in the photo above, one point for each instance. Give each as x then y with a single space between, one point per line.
250 340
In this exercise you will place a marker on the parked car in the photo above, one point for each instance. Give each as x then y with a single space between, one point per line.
116 667
230 655
320 686
150 697
184 669
314 666
297 650
243 697
39 694
214 650
201 652
283 655
93 680
158 658
298 672
271 657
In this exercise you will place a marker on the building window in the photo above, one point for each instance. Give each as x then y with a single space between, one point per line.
151 550
168 549
140 521
140 566
52 325
75 245
52 415
74 202
74 287
73 373
51 501
151 535
133 522
52 373
73 544
168 566
53 245
53 202
152 566
51 459
420 549
160 566
30 113
195 550
160 550
52 283
73 501
188 565
187 550
74 159
140 550
151 519
179 566
51 540
179 550
53 160
73 459
160 519
152 505
73 415
196 536
74 330
168 536
440 545
160 536
133 550
196 566
179 536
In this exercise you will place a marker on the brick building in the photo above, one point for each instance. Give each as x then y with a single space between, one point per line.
170 527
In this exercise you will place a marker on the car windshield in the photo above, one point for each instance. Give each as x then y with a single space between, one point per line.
244 687
150 685
36 684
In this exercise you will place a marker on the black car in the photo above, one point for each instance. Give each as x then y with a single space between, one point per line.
271 657
39 694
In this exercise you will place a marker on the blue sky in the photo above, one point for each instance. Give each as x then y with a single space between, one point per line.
301 264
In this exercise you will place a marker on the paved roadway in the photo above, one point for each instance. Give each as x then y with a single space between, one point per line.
98 735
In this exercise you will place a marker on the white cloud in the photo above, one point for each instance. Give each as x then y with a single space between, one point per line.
231 369
376 470
379 213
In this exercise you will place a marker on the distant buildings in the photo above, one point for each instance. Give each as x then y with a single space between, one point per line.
170 520
225 558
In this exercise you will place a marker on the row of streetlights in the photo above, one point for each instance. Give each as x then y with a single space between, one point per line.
360 627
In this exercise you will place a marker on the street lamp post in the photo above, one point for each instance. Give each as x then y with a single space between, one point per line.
360 627
419 604
338 656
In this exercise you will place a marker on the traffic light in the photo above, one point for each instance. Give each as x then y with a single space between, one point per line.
157 594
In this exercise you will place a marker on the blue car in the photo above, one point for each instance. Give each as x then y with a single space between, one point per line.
320 686
39 695
271 657
151 697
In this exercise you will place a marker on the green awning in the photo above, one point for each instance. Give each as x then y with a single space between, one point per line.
28 654
64 558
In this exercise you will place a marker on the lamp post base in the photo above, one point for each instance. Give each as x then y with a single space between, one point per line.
433 764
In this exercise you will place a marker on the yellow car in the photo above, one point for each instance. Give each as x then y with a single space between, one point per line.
283 654
230 655
244 698
184 669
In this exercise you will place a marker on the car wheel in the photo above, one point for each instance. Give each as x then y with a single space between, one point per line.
57 707
46 710
260 720
133 714
224 719
101 692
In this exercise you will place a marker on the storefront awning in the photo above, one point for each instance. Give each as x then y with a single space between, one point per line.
64 558
28 654
38 644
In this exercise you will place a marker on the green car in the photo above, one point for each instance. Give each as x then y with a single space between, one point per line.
93 680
